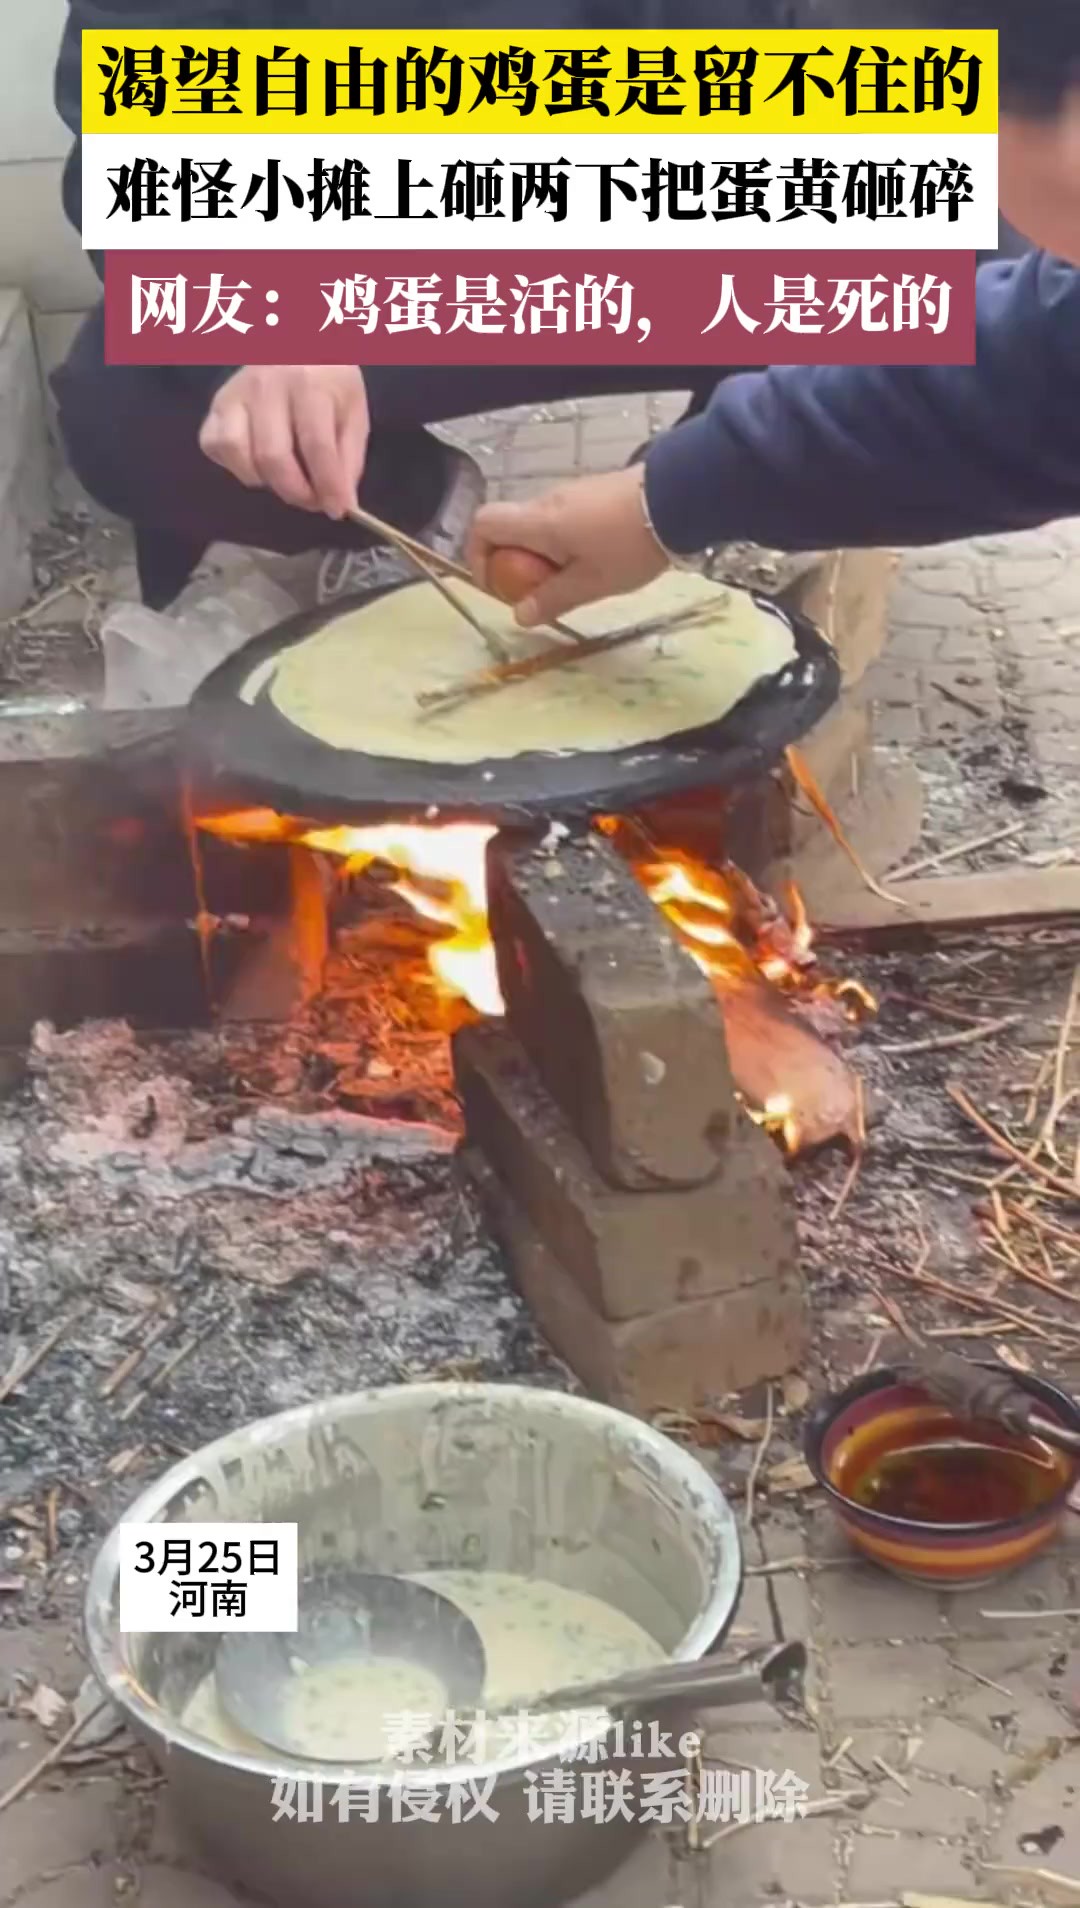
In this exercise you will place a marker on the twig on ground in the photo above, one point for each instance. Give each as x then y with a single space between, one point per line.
977 1677
837 1804
132 1359
874 1352
1025 1616
967 1037
928 1004
22 1369
166 1371
74 585
759 1457
1043 1284
893 1310
974 1302
888 1770
1068 1238
1005 1146
989 1328
858 1154
52 1505
1042 1878
1060 1097
830 1761
1036 1088
782 1565
955 853
51 1757
805 780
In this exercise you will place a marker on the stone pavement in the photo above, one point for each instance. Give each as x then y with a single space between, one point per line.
947 1727
955 1724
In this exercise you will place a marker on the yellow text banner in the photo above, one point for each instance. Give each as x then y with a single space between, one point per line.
552 81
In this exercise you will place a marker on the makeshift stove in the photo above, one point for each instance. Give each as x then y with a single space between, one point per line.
637 1031
614 1117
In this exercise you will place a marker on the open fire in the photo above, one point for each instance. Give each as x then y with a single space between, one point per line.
760 960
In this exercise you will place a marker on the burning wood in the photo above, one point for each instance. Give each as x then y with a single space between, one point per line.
759 959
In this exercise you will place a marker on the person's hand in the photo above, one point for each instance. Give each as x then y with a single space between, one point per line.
594 529
300 430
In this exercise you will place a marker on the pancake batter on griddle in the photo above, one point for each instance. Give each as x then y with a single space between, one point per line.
354 684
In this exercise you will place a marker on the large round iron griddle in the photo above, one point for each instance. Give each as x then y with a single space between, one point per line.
243 755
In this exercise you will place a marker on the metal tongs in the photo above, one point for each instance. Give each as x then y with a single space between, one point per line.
436 568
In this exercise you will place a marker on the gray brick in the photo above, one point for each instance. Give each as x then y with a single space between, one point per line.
1053 675
779 1749
883 1864
791 1860
913 645
892 681
793 1605
647 1879
514 489
784 1537
182 1888
543 448
609 453
863 1605
169 1842
931 1808
618 420
872 1684
1057 751
1043 1585
43 1655
1019 1713
825 1538
79 1888
754 1617
49 1830
963 1756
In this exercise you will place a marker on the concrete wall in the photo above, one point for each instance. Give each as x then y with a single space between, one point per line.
39 253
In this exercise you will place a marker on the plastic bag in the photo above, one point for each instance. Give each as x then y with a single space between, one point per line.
155 662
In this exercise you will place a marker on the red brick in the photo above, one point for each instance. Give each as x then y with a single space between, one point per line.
680 1356
631 1252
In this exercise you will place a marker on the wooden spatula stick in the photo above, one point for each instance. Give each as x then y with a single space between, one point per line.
487 680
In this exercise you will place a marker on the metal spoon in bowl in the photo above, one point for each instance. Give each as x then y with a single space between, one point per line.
349 1617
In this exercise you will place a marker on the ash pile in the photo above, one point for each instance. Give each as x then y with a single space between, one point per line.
173 1263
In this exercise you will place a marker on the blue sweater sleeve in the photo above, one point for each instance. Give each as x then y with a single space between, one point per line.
813 457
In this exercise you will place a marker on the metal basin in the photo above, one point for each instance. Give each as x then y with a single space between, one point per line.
421 1477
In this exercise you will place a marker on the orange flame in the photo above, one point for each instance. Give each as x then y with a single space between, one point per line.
737 936
442 875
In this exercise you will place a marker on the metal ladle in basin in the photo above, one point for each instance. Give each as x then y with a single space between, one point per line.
348 1617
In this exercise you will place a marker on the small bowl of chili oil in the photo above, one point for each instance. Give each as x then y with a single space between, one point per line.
939 1500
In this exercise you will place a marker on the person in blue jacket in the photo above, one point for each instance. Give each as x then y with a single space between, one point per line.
815 457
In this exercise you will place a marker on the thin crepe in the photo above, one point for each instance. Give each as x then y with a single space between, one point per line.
354 684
